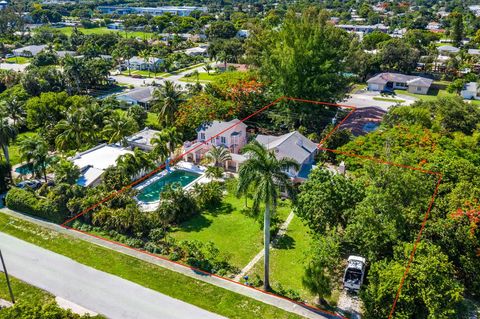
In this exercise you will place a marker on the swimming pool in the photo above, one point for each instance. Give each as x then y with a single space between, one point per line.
151 191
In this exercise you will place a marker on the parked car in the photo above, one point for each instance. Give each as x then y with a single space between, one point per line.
8 56
33 184
354 273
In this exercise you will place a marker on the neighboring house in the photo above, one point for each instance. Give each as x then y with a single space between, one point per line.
470 91
433 26
231 134
29 51
142 96
142 139
196 51
183 11
473 51
62 54
364 28
115 26
447 50
411 83
138 63
295 146
3 4
243 33
95 161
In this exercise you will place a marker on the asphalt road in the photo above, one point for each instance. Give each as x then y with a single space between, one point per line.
92 289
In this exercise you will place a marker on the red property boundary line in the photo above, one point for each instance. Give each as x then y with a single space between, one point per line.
320 147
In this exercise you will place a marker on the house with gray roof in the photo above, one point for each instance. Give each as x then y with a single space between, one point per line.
448 50
142 96
142 139
471 91
29 50
388 81
141 64
294 146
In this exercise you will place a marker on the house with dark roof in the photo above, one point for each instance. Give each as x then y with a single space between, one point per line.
388 81
142 96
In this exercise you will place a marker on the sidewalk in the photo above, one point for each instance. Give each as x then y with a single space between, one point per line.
231 285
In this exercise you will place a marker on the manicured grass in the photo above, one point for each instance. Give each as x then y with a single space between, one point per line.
288 259
23 291
195 292
145 73
18 60
432 95
152 120
15 157
202 77
191 67
230 228
358 87
386 99
104 30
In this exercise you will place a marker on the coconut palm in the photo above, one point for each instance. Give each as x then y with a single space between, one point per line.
137 163
208 68
118 127
145 55
218 155
167 98
34 150
8 133
76 131
73 70
14 109
167 139
266 174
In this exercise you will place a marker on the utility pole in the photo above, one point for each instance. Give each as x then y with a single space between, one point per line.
6 276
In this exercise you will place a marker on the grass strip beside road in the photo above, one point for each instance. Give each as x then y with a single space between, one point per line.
195 292
386 99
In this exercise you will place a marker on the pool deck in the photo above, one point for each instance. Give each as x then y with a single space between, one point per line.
185 166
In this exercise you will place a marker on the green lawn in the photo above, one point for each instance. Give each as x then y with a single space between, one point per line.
202 77
23 291
104 30
13 149
230 229
195 292
433 94
19 60
145 73
152 120
288 259
386 99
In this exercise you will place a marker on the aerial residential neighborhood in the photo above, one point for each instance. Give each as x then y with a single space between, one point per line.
239 159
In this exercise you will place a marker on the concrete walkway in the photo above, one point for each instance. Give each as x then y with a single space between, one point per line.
254 261
274 300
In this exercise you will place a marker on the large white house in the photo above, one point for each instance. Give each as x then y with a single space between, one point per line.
95 161
411 83
141 64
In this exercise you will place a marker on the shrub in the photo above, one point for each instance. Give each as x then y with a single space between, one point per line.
208 195
4 175
26 201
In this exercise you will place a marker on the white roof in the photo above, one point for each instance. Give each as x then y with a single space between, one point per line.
89 176
144 137
140 60
448 48
34 49
100 157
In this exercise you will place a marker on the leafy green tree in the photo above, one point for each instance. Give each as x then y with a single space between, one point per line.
176 205
66 172
167 140
46 110
139 114
371 40
397 55
458 29
221 30
327 200
430 289
266 174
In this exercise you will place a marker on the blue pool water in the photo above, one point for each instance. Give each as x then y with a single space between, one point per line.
151 193
370 127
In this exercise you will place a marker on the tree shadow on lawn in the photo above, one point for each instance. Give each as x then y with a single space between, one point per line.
284 242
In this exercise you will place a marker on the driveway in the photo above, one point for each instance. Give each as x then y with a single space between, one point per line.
92 289
366 99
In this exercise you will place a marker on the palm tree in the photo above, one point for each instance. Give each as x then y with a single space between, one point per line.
118 126
34 150
168 98
218 155
167 139
145 55
266 174
73 69
133 164
15 111
208 68
76 130
196 74
8 133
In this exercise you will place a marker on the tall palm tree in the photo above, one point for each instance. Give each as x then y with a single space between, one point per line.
34 150
218 155
118 127
73 69
167 139
8 133
145 55
15 111
137 163
168 98
76 131
266 174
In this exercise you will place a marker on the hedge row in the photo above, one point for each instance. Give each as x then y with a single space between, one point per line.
26 201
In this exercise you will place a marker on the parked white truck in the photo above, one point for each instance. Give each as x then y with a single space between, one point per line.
354 273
